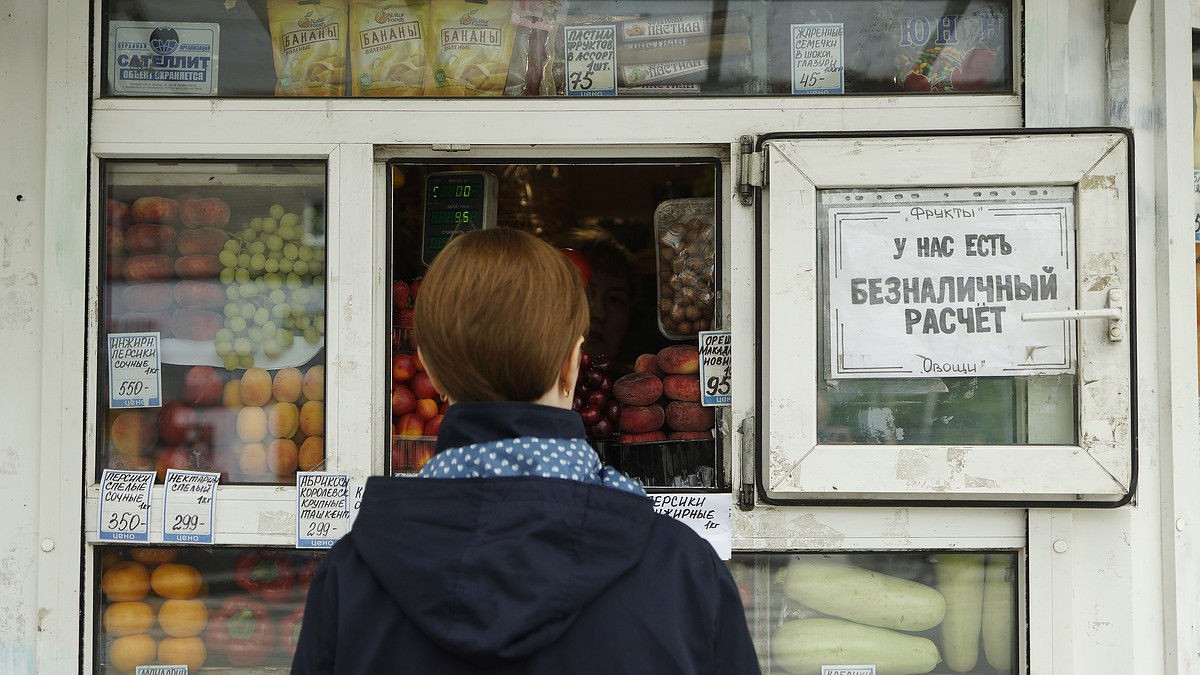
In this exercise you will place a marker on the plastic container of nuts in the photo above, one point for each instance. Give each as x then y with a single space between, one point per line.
686 263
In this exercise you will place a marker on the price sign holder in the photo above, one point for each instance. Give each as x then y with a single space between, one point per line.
322 508
189 500
125 505
591 60
715 383
134 370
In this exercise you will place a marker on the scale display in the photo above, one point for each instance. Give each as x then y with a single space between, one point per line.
456 202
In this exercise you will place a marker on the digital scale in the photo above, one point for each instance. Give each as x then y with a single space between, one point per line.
456 202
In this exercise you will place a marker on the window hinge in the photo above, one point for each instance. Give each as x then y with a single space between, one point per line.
751 170
746 462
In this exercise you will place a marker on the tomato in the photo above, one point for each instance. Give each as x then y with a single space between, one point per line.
189 651
176 580
125 581
183 618
128 618
125 654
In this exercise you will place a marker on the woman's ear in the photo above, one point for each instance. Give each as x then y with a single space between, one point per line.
569 372
433 379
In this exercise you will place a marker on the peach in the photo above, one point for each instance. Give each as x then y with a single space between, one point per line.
312 453
403 401
410 425
403 367
201 240
682 387
637 389
149 267
210 211
175 420
645 437
133 432
251 424
688 416
639 419
198 325
150 238
312 418
154 210
198 266
433 425
202 385
679 359
313 386
151 297
422 386
283 419
199 294
427 408
282 457
256 386
231 396
288 385
648 363
421 454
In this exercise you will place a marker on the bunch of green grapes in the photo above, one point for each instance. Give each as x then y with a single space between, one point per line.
273 272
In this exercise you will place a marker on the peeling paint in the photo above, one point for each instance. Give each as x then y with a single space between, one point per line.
277 522
10 462
911 464
1099 182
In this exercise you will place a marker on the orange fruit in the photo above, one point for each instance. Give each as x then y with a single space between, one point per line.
153 555
312 453
128 618
282 457
189 651
176 580
125 581
183 618
126 653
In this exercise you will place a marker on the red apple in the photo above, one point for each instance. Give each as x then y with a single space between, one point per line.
427 408
432 426
404 366
422 386
175 420
403 401
410 425
203 386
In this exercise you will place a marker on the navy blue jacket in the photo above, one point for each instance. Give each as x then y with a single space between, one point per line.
529 575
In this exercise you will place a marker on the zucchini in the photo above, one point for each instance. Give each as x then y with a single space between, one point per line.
804 645
998 625
959 578
862 595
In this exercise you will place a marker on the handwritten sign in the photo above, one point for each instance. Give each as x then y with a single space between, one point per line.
134 370
125 505
715 367
189 498
322 508
356 495
591 53
161 670
847 670
938 291
818 58
146 57
710 515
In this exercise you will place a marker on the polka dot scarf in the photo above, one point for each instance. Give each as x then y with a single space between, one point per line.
569 458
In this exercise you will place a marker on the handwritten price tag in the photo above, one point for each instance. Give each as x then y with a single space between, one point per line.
134 370
591 53
716 388
188 504
322 508
818 58
710 515
125 505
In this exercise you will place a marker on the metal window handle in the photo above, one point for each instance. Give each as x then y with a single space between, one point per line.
1114 312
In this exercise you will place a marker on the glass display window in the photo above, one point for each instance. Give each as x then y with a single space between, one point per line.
213 303
551 48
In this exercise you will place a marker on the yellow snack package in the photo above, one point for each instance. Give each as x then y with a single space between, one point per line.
387 47
308 38
470 45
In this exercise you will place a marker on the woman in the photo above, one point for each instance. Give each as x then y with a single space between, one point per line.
515 551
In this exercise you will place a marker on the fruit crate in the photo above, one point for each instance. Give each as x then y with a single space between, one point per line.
688 463
410 453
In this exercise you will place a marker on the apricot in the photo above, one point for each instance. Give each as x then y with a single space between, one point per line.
313 386
256 386
283 418
287 385
282 457
312 418
639 419
311 454
637 389
688 416
252 424
154 210
231 396
679 359
253 459
682 387
133 432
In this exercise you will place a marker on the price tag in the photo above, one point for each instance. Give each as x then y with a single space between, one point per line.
356 495
847 670
188 503
716 387
134 371
161 670
710 515
125 505
818 58
591 53
322 508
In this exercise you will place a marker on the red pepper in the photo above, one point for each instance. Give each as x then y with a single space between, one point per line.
306 572
267 574
289 630
241 629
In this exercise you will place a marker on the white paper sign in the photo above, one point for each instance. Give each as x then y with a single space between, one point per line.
710 515
591 53
818 58
715 383
356 495
125 505
161 670
938 291
134 370
189 498
847 670
149 58
322 508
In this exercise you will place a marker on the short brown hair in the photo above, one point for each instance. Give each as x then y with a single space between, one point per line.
498 313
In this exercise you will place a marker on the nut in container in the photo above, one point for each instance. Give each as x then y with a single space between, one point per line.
686 264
